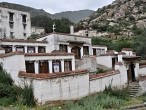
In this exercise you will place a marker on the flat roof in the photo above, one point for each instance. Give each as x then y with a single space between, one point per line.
22 41
67 35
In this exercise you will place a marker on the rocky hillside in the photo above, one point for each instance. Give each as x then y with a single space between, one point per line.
121 18
74 16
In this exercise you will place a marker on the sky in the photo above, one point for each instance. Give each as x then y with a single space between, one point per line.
56 6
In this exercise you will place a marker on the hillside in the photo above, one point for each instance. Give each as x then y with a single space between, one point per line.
74 16
122 18
32 11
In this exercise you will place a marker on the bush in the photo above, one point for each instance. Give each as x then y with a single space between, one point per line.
10 94
27 96
100 71
5 78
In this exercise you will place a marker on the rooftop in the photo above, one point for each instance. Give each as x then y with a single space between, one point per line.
21 40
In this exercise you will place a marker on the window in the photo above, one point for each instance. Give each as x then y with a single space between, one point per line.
12 35
24 18
56 65
24 34
67 65
31 50
24 26
94 51
63 47
11 17
30 66
20 48
11 25
8 49
85 50
86 33
41 49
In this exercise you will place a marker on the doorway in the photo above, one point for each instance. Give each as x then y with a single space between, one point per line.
43 67
76 50
131 73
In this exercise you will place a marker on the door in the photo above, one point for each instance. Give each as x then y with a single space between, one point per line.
43 65
131 73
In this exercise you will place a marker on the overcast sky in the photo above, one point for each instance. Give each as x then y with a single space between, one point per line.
55 6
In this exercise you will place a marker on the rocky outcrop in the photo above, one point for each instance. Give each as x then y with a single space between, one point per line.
122 15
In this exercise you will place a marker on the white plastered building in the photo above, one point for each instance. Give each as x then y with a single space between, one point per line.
14 24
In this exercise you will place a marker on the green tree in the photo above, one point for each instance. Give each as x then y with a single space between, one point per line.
62 25
140 45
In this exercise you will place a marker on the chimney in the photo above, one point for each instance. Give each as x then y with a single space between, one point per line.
71 29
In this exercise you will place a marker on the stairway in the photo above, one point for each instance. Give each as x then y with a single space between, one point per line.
133 89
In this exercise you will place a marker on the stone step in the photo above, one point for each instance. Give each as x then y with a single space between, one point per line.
135 107
133 89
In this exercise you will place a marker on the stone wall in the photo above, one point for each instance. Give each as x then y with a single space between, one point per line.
87 62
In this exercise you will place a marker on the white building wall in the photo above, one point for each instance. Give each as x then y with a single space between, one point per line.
104 60
18 27
64 88
37 30
87 62
142 71
129 53
99 84
2 51
55 39
14 64
136 69
123 73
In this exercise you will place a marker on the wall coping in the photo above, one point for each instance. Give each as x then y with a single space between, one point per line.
42 76
11 54
142 66
48 54
103 75
22 41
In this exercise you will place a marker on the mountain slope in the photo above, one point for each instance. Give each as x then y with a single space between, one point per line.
121 18
31 10
74 16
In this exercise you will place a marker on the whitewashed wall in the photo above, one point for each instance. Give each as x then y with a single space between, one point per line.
142 71
63 88
87 62
55 39
104 60
71 87
14 64
18 27
2 51
99 84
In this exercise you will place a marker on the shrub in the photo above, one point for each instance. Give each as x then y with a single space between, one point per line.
27 96
9 93
99 71
119 93
5 78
